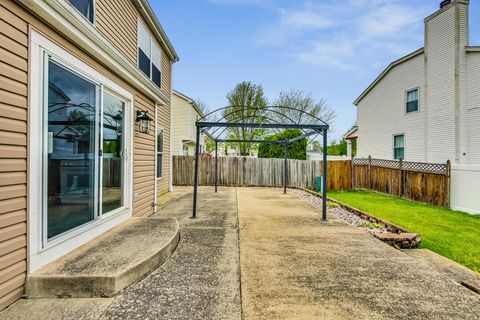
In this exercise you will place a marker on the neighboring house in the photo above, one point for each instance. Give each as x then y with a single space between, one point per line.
73 161
185 113
317 155
229 151
313 153
349 137
426 106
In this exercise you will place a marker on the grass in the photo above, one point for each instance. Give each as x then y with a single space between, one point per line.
452 234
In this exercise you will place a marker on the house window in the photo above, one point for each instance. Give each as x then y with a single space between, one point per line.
149 55
85 7
399 147
159 152
412 100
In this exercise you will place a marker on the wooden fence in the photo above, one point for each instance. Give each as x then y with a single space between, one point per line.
424 182
244 171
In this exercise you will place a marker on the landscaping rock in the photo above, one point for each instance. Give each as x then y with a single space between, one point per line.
383 230
401 240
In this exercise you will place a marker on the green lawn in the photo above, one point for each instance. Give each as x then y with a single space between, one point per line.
455 235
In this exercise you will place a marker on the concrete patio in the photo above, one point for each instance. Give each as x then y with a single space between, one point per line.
260 254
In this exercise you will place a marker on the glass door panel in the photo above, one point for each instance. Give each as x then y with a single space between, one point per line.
112 146
71 144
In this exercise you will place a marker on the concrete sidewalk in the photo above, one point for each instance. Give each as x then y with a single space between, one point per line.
293 266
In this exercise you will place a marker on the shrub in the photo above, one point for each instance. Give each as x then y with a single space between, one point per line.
296 150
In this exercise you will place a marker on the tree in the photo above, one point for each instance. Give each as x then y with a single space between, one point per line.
299 104
203 106
210 145
295 150
247 103
340 149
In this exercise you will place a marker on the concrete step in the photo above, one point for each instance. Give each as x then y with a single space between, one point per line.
108 264
449 268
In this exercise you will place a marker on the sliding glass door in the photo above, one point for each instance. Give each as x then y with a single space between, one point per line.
84 147
71 144
113 144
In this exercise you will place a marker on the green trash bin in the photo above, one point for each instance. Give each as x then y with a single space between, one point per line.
318 184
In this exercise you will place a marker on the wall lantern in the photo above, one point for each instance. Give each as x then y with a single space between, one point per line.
143 120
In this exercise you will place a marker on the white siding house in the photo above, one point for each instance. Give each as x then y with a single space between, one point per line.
426 106
184 115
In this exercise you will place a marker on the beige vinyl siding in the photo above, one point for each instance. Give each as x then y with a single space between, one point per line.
13 154
14 24
180 124
144 163
163 118
117 21
166 75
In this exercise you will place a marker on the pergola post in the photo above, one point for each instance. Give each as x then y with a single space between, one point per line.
285 169
195 179
324 180
216 165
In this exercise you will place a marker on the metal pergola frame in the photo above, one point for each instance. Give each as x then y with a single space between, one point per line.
319 127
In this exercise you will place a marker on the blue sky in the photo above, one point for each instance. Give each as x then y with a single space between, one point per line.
331 48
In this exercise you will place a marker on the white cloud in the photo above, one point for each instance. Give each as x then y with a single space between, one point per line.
347 34
293 24
306 20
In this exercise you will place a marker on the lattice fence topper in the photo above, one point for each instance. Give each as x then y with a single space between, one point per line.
360 161
440 168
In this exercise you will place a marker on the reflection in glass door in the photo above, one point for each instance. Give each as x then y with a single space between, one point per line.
112 146
71 147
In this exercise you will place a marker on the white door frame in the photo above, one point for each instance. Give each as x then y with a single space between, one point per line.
40 253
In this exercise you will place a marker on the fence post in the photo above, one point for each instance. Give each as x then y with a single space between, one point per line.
448 183
369 172
400 178
352 182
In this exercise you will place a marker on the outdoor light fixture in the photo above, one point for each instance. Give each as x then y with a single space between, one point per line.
143 120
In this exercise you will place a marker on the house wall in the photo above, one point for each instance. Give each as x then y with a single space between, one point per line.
163 120
13 154
184 117
473 108
382 114
446 38
439 131
117 21
181 129
15 22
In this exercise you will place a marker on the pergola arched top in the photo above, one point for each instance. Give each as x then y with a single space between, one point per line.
268 117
